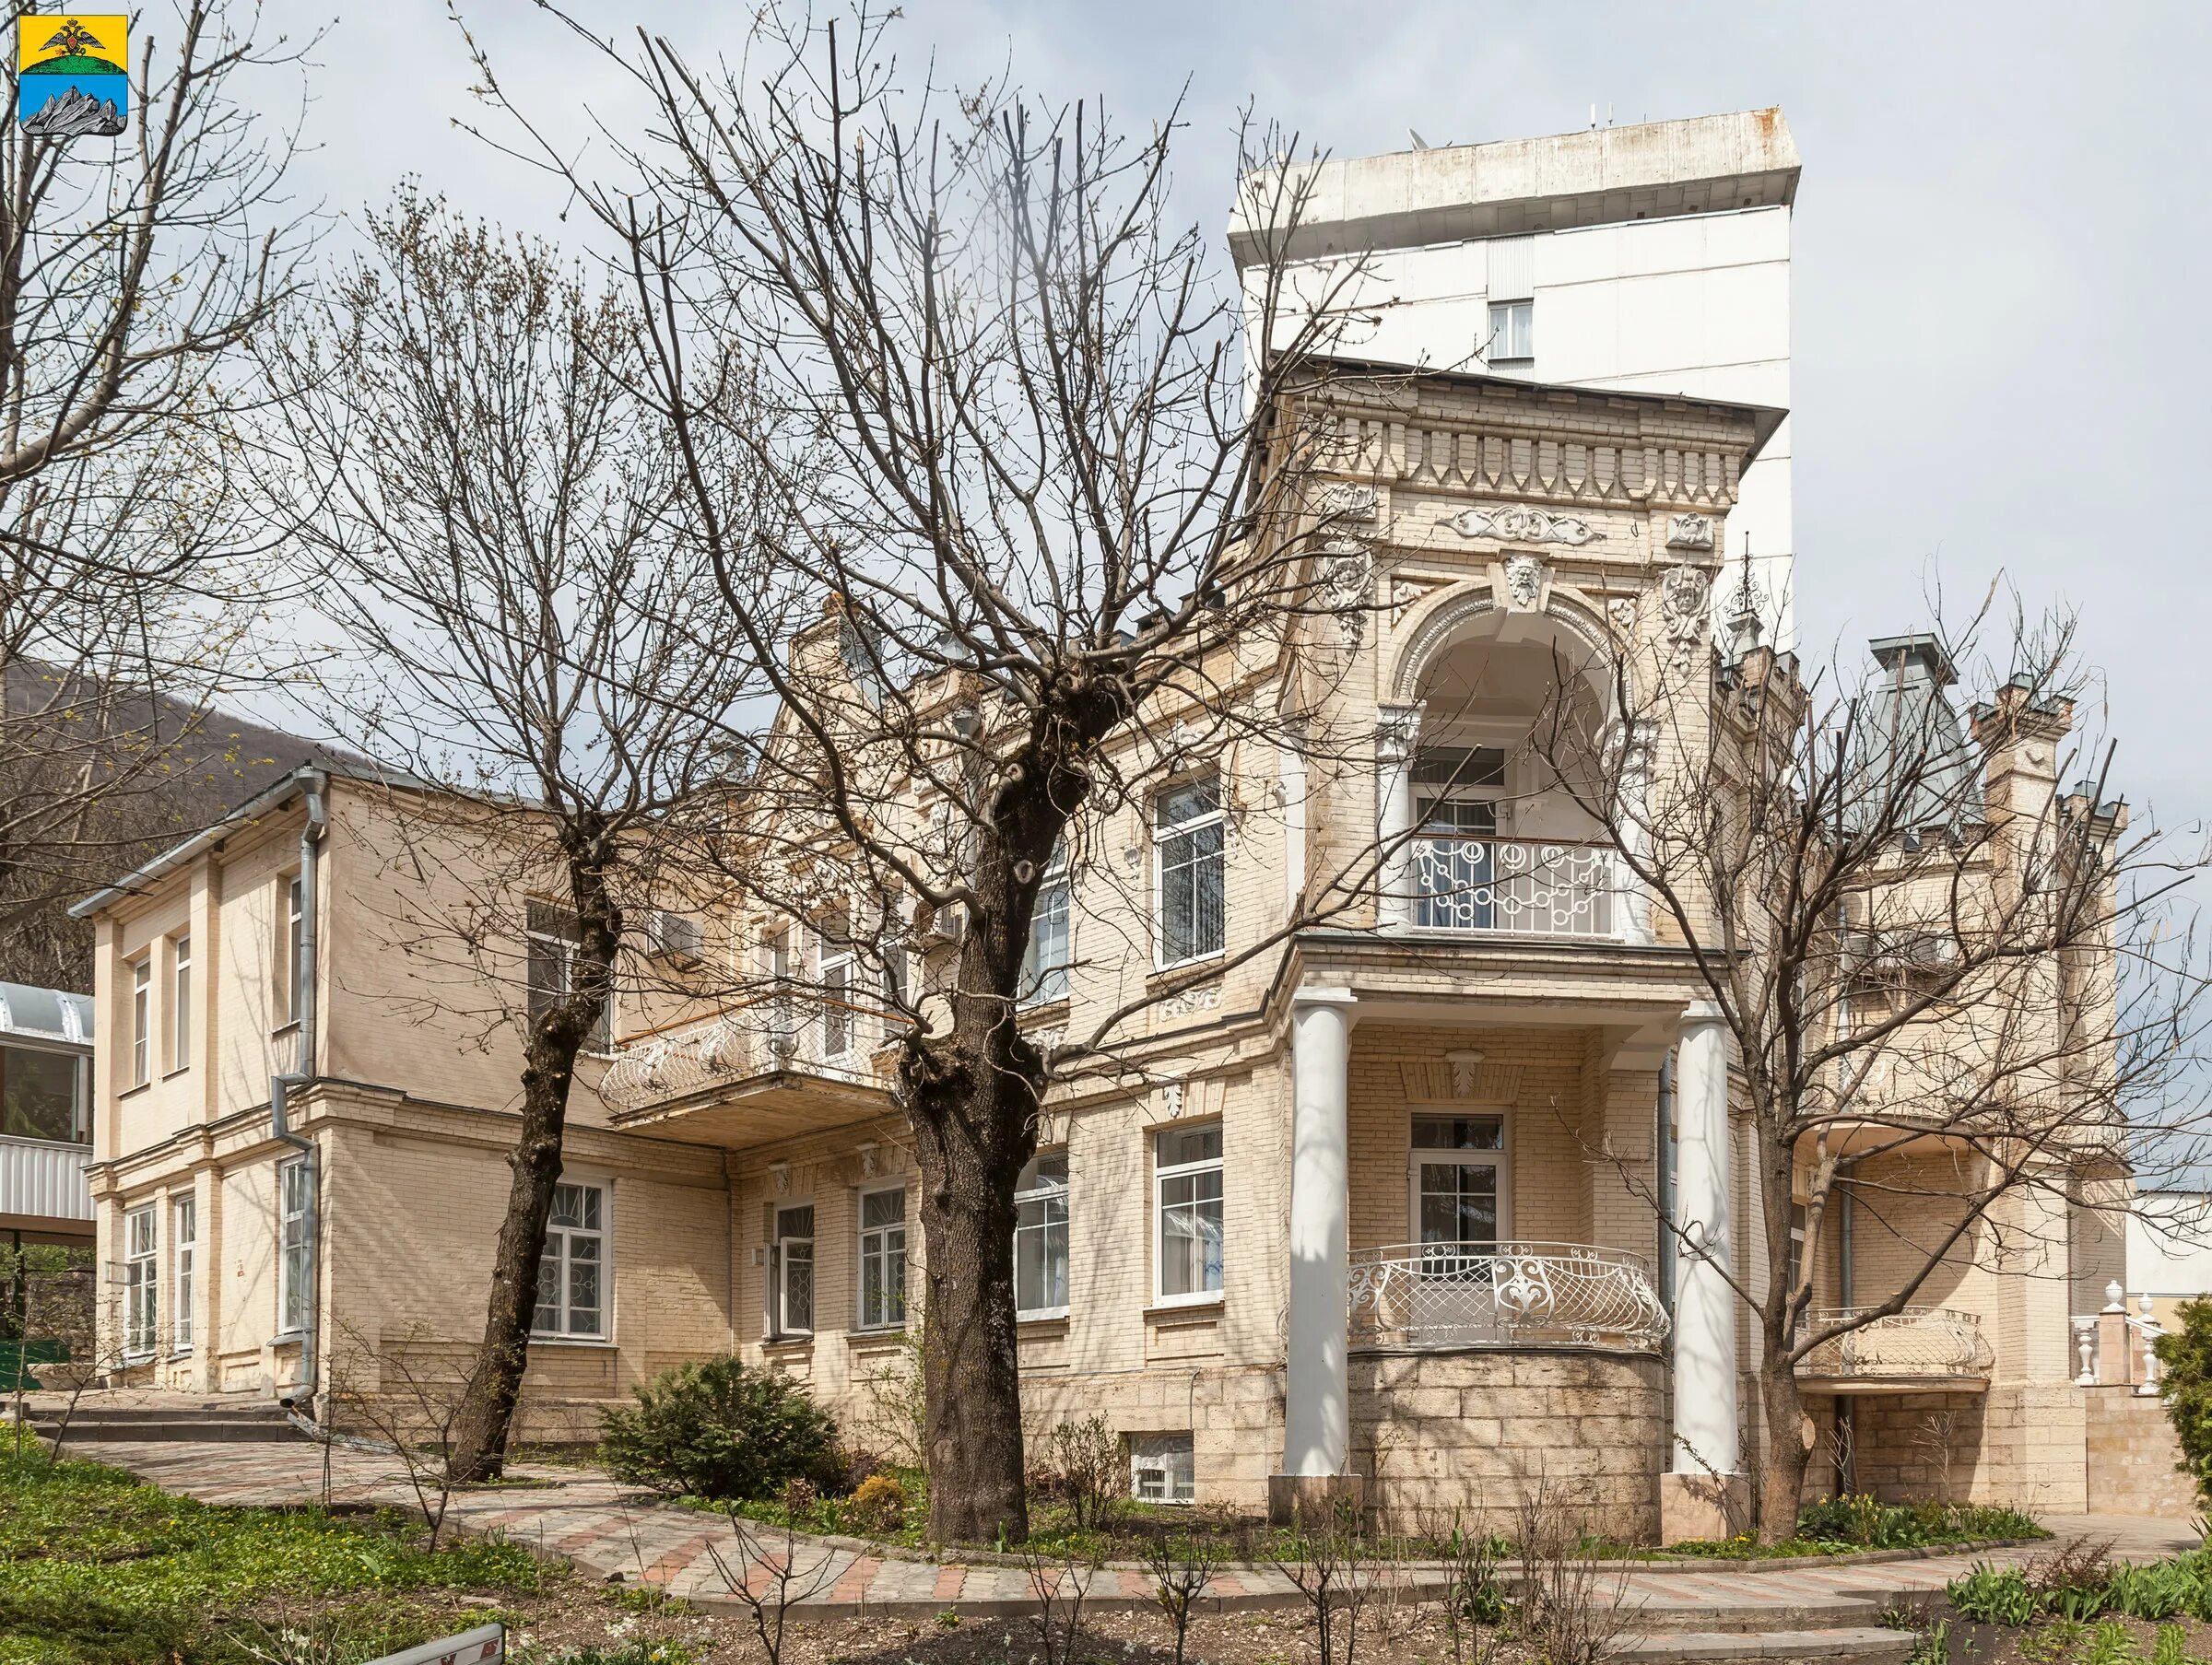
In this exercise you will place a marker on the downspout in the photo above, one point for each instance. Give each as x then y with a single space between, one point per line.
1666 1184
303 1397
1847 1421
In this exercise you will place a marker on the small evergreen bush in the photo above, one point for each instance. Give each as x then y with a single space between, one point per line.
718 1429
2186 1380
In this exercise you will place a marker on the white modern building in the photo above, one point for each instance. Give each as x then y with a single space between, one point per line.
1653 258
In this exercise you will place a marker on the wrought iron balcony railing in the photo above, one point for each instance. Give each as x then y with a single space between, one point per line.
1514 884
1919 1343
1503 1294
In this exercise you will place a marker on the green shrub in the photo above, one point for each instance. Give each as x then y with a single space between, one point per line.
877 1506
2185 1381
1864 1522
1993 1595
718 1429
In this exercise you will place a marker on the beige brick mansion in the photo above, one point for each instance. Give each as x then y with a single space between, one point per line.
1392 1197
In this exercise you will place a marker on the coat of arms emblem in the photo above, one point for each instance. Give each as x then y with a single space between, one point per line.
71 76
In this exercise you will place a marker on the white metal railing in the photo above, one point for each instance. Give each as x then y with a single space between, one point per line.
2136 1334
1517 885
1476 1294
45 1179
1916 1344
815 1035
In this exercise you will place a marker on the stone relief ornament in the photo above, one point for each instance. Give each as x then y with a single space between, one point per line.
1347 585
1690 531
1524 582
1519 524
1350 502
1684 594
1621 610
1204 997
1464 1068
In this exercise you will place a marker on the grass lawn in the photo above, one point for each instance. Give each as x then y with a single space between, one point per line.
96 1567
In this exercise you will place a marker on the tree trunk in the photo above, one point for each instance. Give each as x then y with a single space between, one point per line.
486 1417
486 1421
974 1127
1781 1473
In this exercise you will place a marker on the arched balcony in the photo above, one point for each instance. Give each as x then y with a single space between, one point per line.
1489 785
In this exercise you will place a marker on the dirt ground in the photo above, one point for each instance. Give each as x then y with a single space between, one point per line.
576 1615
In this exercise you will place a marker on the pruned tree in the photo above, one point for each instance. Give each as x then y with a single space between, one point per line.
1959 987
1057 532
134 272
531 644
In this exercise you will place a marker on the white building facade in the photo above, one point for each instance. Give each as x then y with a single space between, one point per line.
1652 259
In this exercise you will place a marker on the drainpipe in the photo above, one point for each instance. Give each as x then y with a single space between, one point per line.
1666 1183
302 1396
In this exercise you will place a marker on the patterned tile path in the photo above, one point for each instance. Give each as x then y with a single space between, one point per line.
608 1530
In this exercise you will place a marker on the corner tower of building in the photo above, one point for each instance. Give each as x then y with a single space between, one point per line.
1653 258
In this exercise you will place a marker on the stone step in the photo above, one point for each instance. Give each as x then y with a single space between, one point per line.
1667 1616
110 1425
1861 1645
221 1429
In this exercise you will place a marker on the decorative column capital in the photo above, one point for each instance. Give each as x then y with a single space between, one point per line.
1398 732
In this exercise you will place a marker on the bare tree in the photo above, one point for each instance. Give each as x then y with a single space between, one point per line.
1959 998
505 549
134 272
1058 530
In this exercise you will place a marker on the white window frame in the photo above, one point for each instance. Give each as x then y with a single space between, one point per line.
295 1273
1038 1195
879 1250
179 1002
142 1019
561 1244
1513 326
1172 1456
781 1326
295 942
1500 1161
1165 834
184 1253
1042 984
542 933
833 972
141 1280
1162 1173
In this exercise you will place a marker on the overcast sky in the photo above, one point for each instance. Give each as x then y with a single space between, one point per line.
2000 335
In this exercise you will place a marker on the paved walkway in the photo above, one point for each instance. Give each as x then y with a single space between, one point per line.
608 1530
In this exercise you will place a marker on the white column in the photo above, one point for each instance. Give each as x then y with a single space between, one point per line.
1317 1413
1705 1409
1397 738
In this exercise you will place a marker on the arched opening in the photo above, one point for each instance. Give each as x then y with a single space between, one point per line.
1509 782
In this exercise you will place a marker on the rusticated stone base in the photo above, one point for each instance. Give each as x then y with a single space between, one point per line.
1479 1432
1312 1499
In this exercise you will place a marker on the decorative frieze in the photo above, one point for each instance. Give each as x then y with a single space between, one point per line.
1518 524
1349 503
1685 595
1690 531
1457 1077
1347 586
1199 997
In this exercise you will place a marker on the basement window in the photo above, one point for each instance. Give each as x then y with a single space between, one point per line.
1163 1468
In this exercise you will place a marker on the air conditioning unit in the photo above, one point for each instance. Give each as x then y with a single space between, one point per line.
675 937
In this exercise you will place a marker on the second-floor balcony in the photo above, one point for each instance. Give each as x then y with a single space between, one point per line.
1503 1294
43 1180
1925 1349
757 1069
1518 886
